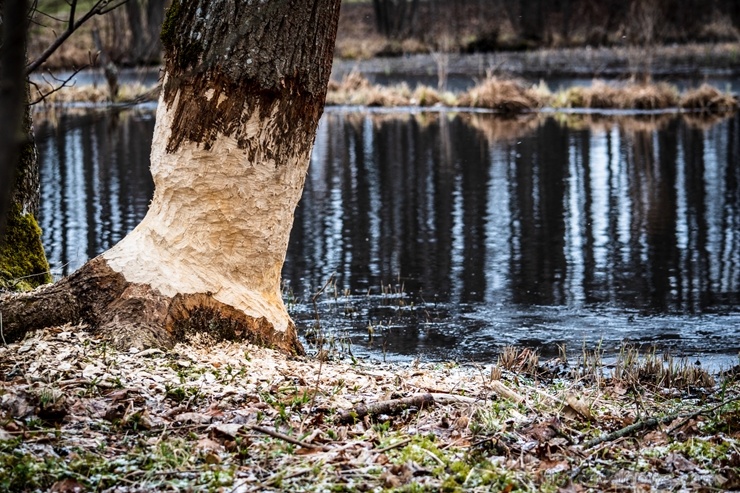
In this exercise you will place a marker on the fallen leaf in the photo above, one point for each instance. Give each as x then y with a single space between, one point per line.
206 444
67 486
195 418
675 462
230 430
580 406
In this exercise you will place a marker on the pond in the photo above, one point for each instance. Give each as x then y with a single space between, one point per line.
449 235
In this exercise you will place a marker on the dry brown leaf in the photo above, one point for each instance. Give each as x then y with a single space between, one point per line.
194 418
67 486
579 406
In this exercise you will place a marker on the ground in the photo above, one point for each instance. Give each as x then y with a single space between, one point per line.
75 415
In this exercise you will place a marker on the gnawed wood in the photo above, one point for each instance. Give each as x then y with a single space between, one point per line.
393 406
134 315
506 392
243 91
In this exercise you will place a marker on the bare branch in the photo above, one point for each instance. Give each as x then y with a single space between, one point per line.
72 7
99 8
112 7
64 83
58 19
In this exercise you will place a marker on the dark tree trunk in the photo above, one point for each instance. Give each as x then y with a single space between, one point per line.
12 67
243 90
23 264
136 28
395 18
154 19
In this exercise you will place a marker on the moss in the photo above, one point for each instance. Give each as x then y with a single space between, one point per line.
169 26
186 52
23 264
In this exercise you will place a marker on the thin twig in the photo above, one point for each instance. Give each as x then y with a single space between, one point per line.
395 445
272 479
281 436
652 423
1 330
99 8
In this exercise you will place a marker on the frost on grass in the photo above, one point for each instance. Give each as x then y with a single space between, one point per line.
74 413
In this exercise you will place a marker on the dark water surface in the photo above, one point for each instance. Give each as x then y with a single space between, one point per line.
449 235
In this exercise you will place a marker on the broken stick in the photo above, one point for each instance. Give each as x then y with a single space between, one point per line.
393 406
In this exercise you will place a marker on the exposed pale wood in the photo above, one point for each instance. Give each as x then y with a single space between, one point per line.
243 90
506 392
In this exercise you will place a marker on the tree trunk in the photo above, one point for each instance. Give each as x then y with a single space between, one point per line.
154 19
243 90
23 264
137 45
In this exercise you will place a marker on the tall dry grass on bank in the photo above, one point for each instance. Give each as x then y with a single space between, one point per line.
510 96
708 99
504 96
46 93
631 96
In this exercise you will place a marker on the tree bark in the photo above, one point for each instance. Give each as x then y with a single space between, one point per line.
243 90
23 265
154 18
135 25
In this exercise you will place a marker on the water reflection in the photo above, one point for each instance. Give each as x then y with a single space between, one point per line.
95 182
533 231
467 208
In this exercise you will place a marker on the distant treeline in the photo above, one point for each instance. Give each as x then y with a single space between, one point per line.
485 25
129 35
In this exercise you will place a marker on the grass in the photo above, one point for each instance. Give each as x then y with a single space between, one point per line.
708 99
504 96
629 96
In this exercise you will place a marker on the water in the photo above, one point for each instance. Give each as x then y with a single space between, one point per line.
450 235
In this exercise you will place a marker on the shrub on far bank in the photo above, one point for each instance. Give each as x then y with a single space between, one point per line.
708 99
504 95
635 96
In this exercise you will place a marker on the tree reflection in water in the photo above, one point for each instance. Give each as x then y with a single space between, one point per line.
536 230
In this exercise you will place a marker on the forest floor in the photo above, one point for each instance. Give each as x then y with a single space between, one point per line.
78 415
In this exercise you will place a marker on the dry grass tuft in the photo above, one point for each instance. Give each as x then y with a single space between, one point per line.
649 96
354 89
708 99
97 94
650 369
519 360
427 96
600 95
503 95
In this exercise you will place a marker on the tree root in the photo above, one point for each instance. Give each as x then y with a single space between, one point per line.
133 315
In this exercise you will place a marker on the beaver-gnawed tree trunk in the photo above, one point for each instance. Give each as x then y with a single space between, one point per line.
243 90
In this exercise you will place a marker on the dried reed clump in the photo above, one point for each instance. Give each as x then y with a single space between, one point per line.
503 95
633 369
356 90
47 93
519 360
649 96
427 96
708 99
601 95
